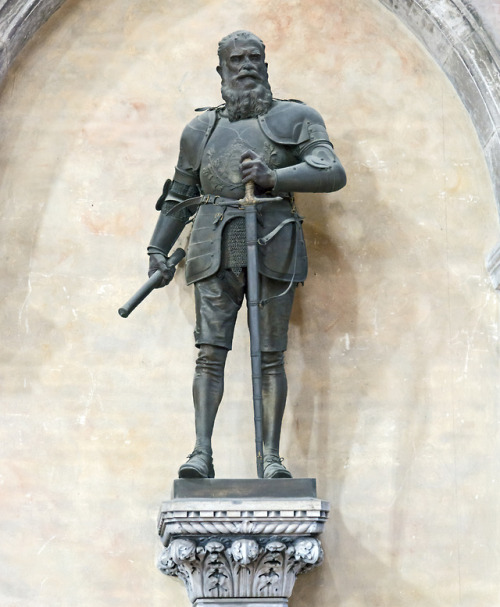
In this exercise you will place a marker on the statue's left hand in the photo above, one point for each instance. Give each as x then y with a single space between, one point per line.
253 168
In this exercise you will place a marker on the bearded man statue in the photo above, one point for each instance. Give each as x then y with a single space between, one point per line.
282 147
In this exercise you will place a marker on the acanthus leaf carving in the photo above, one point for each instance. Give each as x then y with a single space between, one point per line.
240 566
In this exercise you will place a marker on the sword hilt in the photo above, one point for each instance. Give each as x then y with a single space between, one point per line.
250 199
249 191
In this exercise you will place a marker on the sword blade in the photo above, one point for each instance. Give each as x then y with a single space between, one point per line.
253 299
249 203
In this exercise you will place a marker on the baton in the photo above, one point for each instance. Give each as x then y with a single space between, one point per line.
150 285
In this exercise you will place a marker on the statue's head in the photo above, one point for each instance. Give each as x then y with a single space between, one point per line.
243 71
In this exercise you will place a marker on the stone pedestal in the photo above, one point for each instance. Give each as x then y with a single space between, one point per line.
241 602
241 542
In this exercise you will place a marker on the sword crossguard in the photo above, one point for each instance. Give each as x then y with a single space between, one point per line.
250 198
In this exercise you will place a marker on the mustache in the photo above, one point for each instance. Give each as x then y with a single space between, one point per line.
250 74
263 87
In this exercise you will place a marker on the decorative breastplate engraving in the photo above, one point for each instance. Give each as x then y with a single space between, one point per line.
220 165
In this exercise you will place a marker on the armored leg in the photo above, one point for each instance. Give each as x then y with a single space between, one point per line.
208 388
274 392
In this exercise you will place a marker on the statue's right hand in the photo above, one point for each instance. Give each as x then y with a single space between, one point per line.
157 261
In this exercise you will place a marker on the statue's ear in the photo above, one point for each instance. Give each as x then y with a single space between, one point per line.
219 70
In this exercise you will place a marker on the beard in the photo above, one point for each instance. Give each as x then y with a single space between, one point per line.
247 104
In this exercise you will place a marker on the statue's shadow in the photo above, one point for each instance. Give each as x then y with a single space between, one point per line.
326 363
323 388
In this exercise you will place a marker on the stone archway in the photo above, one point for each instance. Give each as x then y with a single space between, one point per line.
449 29
454 36
19 20
393 365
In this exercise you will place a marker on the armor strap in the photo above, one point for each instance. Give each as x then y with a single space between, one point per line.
265 239
190 202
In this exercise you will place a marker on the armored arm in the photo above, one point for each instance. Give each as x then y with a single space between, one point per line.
169 227
170 222
319 171
302 129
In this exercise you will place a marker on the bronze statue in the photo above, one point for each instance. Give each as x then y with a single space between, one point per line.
251 141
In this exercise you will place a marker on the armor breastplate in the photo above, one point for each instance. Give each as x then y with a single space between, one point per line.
220 163
284 257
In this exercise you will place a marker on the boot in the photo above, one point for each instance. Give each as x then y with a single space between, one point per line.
199 465
273 467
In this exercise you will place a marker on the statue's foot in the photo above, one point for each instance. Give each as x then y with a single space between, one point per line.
273 467
199 465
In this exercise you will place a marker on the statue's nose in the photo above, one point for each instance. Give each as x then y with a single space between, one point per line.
246 64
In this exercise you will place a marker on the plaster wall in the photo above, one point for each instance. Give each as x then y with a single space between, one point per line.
393 361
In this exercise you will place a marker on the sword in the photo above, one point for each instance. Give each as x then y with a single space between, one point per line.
249 203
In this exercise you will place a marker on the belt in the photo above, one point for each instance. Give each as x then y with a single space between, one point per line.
211 199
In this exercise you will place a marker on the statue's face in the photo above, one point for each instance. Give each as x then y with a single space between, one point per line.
243 67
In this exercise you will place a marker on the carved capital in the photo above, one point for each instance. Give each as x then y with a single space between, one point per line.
240 551
240 567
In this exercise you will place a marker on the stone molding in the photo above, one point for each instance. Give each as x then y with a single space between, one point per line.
19 20
451 30
241 603
454 35
493 266
240 552
291 517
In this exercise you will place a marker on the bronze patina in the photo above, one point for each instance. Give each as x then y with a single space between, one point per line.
243 245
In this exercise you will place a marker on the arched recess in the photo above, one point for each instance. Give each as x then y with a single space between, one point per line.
19 20
451 30
453 33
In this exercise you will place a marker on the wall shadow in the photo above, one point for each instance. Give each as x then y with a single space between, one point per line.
325 411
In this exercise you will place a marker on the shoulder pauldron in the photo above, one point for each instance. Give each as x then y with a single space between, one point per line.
194 139
293 123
